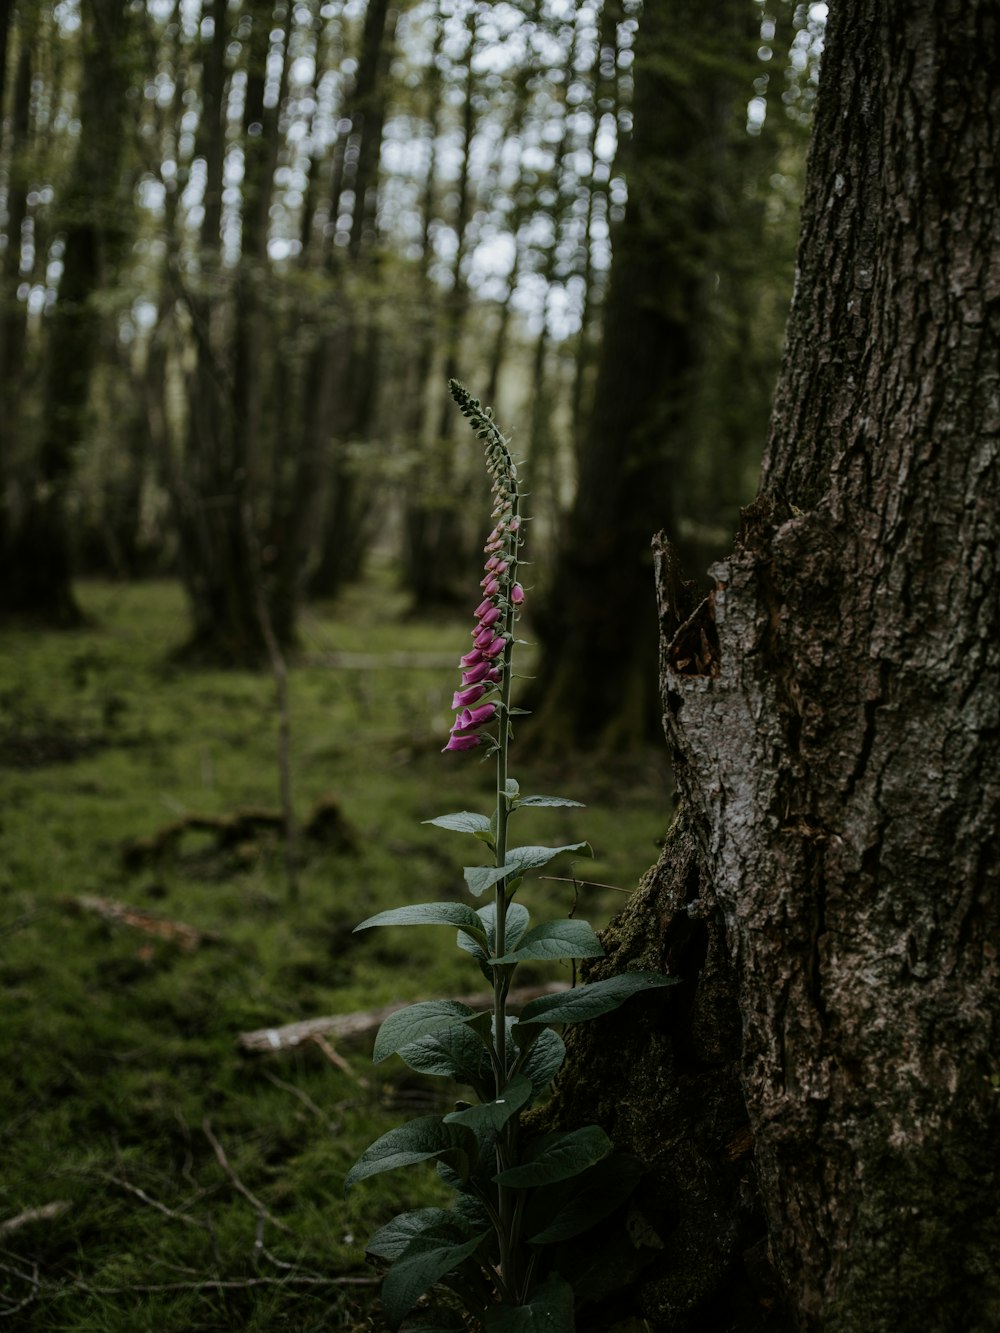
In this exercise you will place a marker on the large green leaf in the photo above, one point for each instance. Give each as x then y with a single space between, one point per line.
555 1157
493 1115
419 1140
530 858
546 800
555 939
407 1025
586 1002
548 1310
392 1240
481 878
426 1260
455 1053
564 1210
542 1062
429 914
465 821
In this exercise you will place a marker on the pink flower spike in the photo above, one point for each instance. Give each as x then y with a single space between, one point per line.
493 561
462 743
471 658
481 671
513 523
484 636
490 586
462 698
494 674
496 647
477 717
517 594
501 567
484 606
491 614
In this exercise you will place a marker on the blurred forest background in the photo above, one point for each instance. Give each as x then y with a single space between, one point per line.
245 245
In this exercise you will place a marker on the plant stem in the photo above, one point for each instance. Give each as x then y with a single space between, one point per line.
506 1231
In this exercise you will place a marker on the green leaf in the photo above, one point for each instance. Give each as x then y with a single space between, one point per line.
428 914
493 1115
548 1310
426 1261
543 1060
564 1210
456 1053
392 1240
481 878
547 800
556 939
511 789
555 1157
465 821
405 1026
520 859
516 922
418 1140
586 1002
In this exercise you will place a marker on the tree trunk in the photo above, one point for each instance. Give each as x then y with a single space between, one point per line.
38 555
831 898
344 369
599 609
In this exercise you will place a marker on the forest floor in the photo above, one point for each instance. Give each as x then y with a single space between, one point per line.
156 1176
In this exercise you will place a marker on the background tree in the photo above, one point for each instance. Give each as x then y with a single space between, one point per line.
678 164
89 242
822 1093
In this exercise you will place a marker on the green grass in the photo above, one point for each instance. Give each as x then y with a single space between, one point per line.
119 1059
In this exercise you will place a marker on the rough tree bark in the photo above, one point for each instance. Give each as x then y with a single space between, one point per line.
828 1075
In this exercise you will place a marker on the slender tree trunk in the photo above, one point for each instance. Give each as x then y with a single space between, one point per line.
640 423
434 525
831 898
346 360
39 557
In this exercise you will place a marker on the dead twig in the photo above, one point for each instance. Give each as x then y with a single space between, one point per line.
337 1060
585 883
365 1021
303 1097
208 1284
223 1160
34 1286
44 1213
148 1199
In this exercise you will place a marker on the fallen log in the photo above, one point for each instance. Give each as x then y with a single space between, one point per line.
366 1021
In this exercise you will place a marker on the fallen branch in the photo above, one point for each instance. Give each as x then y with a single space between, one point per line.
366 1021
174 932
45 1213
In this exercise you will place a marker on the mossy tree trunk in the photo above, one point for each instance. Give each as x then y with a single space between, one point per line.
818 1102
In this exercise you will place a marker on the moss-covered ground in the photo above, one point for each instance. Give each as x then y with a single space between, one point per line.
152 1175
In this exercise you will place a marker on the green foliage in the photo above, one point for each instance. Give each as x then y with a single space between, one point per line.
119 1045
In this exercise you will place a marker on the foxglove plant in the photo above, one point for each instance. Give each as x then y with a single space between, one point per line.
518 1198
